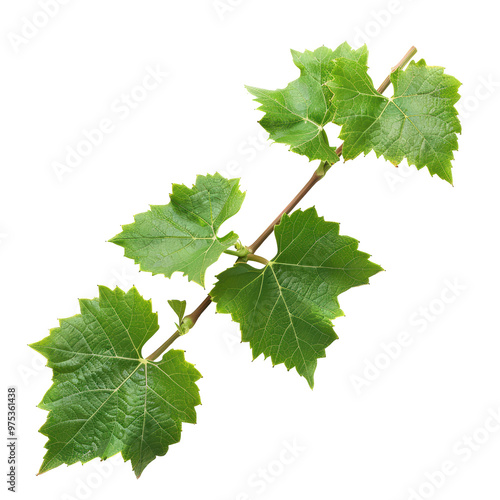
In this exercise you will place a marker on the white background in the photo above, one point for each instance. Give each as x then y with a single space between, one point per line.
378 441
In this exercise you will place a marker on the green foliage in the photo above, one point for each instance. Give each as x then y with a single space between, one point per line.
182 236
179 307
418 123
285 309
105 398
297 114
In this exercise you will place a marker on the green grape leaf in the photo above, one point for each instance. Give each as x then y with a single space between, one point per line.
179 307
182 236
297 114
418 123
285 309
105 398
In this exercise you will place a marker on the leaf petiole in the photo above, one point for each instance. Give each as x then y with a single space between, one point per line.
245 254
257 258
242 252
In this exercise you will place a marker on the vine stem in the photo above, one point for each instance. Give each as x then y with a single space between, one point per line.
193 317
316 177
400 65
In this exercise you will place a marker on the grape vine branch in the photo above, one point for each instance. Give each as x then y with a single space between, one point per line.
315 178
106 398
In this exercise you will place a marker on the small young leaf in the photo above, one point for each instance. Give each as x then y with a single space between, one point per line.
105 397
179 307
418 123
297 114
285 309
182 236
